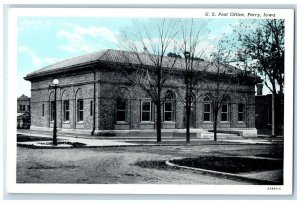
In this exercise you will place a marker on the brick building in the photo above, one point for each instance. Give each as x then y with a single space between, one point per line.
94 96
23 112
263 112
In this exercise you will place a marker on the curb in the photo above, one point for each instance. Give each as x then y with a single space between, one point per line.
219 173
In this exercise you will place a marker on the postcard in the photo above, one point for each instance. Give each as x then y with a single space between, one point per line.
150 101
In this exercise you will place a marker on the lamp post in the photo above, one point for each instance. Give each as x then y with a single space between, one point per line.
55 86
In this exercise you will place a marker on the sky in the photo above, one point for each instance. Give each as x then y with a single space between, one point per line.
43 41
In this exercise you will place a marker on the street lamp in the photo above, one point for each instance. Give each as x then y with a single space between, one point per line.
55 86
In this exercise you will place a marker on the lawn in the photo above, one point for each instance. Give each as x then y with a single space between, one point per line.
231 164
25 138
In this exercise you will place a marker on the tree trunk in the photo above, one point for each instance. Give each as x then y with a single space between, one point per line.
158 125
273 115
215 124
188 114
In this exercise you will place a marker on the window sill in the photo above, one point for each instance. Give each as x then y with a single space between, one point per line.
241 122
208 121
224 122
146 122
169 122
122 123
79 122
66 122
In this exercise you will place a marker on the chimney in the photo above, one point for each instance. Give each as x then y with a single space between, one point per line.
259 88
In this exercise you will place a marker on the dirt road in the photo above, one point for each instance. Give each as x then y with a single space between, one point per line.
118 165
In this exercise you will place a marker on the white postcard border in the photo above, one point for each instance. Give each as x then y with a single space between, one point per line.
14 187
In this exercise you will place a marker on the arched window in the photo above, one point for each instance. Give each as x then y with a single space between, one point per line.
207 112
146 108
79 106
241 109
66 106
121 109
169 106
52 106
122 101
225 109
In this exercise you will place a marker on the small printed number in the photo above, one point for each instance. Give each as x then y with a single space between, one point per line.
274 188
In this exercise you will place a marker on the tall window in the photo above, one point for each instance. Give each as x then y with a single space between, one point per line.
146 111
43 109
66 110
168 111
207 112
52 107
22 108
121 109
91 108
241 111
79 110
224 112
169 106
207 115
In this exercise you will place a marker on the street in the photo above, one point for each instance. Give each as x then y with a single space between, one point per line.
118 165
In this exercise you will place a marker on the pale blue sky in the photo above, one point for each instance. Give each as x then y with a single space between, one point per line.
45 40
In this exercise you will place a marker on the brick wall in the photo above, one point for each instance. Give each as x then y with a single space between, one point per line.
107 84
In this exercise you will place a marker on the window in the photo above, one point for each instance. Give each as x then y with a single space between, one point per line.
91 108
79 110
146 111
168 111
66 111
241 110
52 110
121 109
207 112
224 112
43 109
22 108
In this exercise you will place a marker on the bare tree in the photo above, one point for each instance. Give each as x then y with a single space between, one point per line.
148 65
190 40
217 91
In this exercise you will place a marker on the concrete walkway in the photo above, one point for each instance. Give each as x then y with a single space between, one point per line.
89 142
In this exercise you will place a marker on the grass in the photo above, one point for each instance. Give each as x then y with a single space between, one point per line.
25 138
231 164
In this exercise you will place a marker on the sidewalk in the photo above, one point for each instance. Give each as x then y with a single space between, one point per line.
147 140
89 142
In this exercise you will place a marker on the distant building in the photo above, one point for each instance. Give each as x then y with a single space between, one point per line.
263 112
94 96
23 112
